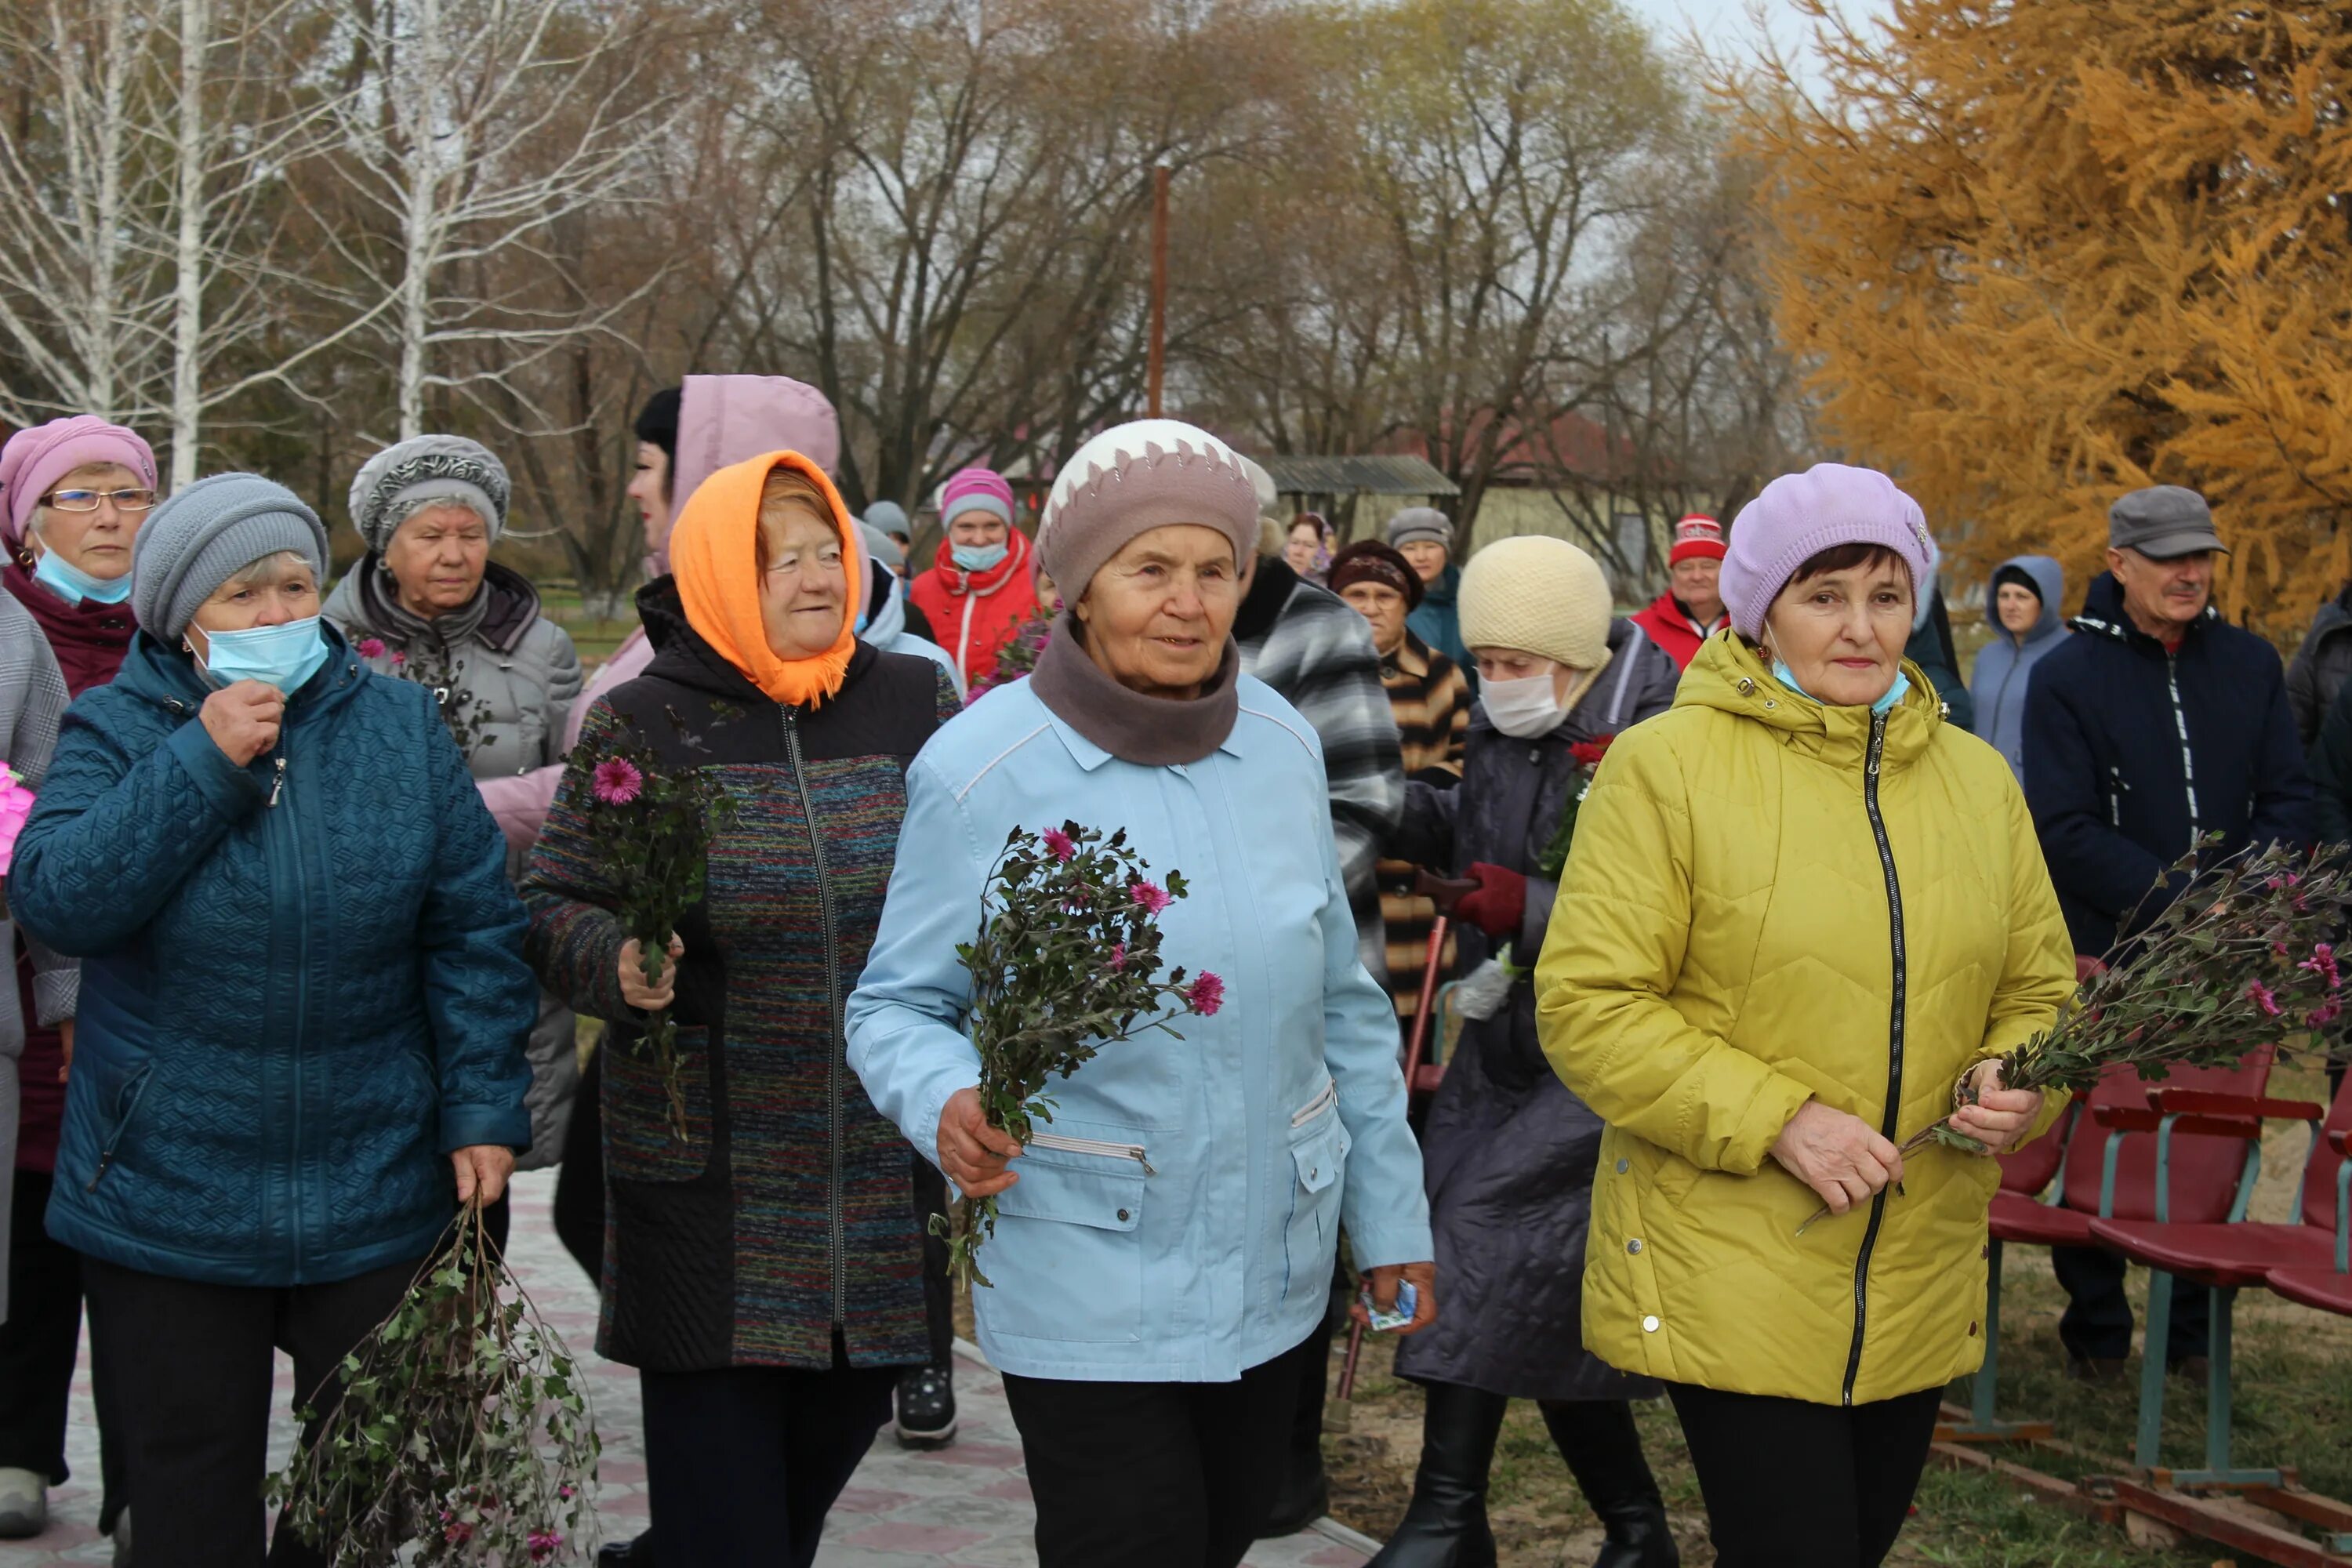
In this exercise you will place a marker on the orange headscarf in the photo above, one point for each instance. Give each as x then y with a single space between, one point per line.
715 552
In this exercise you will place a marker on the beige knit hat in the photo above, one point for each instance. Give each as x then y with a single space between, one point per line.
1540 595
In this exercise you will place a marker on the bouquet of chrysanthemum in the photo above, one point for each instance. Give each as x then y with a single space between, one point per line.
15 810
1067 961
464 1437
653 831
2244 957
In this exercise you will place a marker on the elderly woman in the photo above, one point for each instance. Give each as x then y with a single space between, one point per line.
1780 952
1144 1314
1511 1152
1306 545
762 1272
72 495
427 603
299 1048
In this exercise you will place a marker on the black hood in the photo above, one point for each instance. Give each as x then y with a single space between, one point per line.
1270 590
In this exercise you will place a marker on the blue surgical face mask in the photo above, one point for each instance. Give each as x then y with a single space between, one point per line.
285 657
978 557
1788 677
71 583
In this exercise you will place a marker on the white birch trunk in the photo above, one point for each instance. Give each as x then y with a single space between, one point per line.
190 260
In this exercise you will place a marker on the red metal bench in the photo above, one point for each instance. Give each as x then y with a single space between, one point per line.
2329 1289
2224 1254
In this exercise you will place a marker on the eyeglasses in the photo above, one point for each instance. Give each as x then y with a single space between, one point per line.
88 500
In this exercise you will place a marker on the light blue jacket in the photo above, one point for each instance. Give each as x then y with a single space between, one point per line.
1999 682
1205 1248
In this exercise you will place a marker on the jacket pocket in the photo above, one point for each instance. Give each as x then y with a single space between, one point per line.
117 1107
1065 1259
1319 1155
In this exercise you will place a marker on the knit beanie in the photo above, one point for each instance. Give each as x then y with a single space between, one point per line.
1132 478
35 458
1798 516
1537 594
427 469
1421 524
881 546
1369 560
975 489
887 516
1697 537
657 421
207 533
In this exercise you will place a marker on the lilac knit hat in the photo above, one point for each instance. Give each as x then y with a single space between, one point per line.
1132 478
36 458
975 489
1798 516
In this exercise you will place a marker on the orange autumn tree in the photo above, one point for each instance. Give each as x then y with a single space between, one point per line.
2037 252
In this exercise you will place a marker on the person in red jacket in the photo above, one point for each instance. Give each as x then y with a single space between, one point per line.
979 590
1691 609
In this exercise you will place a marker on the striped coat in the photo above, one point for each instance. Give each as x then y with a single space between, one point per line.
1431 700
788 1210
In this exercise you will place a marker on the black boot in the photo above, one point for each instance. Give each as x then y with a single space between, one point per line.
1445 1527
1603 1450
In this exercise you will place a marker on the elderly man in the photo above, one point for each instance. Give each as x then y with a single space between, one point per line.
2157 725
1691 609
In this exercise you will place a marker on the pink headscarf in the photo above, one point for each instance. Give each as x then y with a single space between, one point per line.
36 458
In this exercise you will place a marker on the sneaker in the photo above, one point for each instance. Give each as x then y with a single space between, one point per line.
24 1505
926 1407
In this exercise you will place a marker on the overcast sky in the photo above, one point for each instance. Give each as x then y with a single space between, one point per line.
1726 27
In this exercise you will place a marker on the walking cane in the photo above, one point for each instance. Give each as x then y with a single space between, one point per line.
1442 893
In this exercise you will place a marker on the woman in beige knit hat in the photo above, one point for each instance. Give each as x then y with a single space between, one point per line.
1508 1151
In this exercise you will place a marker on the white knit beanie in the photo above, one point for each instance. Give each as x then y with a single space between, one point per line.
1537 594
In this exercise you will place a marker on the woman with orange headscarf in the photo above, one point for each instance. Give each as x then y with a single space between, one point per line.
763 1273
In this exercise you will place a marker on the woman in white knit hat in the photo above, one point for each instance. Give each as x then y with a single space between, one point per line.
1164 1248
1509 1150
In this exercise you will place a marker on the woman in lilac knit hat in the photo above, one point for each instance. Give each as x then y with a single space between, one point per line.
1809 915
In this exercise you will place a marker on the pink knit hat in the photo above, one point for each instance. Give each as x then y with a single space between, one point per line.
1798 516
34 459
975 489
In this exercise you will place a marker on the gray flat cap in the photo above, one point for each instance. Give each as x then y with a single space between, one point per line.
2162 522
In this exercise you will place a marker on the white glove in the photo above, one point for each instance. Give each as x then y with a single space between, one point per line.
1480 995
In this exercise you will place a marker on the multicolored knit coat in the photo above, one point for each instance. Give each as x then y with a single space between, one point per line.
1430 700
786 1214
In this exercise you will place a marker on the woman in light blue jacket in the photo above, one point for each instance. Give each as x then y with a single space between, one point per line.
1163 1252
2022 606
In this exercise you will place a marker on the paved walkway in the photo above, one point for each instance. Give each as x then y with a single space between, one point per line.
965 1507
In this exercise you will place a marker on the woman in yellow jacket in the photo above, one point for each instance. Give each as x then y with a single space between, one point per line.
1799 912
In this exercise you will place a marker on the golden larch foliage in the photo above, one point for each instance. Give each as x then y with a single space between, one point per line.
2036 254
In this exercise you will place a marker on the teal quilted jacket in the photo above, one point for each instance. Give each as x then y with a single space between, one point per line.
302 985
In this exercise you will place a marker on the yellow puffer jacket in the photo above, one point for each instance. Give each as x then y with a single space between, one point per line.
1731 939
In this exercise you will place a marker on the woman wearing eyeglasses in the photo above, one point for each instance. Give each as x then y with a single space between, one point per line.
72 495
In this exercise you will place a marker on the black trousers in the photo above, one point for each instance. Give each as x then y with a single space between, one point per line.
939 1290
1154 1475
580 1180
39 1346
742 1459
2097 1322
1790 1484
194 1363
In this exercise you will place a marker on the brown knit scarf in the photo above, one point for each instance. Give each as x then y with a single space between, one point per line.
1154 731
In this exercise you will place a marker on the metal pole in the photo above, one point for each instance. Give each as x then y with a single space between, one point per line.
1159 284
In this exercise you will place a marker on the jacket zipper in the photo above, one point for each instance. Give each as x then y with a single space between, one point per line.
1894 1047
963 636
121 1125
837 1220
2187 763
1314 1108
1097 1146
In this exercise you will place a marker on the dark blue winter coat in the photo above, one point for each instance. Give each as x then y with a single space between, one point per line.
302 980
2132 754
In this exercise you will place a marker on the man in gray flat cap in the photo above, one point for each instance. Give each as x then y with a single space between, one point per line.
2159 724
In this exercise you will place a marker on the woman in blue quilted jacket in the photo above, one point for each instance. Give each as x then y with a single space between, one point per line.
302 1044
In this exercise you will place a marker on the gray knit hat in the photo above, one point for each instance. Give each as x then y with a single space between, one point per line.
1135 477
205 535
883 548
887 516
1421 523
423 469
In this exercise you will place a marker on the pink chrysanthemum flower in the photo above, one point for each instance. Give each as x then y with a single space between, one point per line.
616 781
1119 959
2261 996
369 648
1150 897
1208 994
543 1544
1058 844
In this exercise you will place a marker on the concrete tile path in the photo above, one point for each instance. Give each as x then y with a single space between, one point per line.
965 1507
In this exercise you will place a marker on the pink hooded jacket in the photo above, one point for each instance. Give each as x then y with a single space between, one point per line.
721 419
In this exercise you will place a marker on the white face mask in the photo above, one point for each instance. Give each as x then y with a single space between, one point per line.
1524 709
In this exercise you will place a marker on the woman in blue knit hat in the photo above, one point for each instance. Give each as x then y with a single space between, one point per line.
301 1046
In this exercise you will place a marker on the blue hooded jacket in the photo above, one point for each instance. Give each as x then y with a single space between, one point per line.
302 980
1998 683
2134 751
